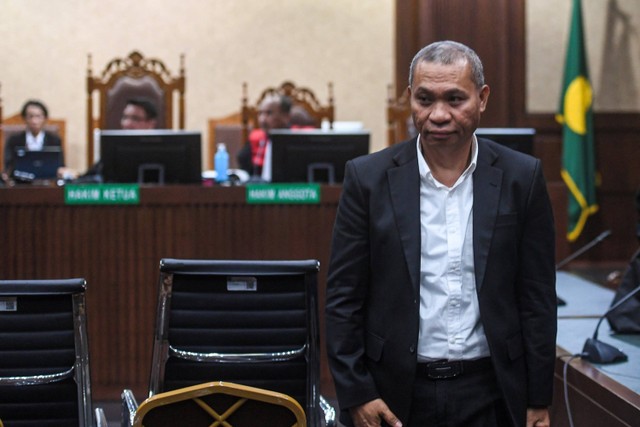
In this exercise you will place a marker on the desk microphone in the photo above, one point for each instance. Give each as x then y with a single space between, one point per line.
579 252
599 352
583 249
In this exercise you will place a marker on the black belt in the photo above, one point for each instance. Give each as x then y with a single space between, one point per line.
450 369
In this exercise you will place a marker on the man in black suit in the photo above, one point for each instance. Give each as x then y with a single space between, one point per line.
441 304
34 138
138 114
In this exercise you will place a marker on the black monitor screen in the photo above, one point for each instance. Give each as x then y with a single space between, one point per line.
151 156
519 139
314 155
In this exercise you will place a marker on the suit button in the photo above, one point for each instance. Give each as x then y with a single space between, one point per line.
412 349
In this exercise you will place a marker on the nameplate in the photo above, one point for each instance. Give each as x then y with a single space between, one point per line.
102 194
283 193
8 304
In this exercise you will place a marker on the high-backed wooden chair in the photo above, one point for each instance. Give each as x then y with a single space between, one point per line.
1 137
227 129
125 78
234 129
399 122
300 96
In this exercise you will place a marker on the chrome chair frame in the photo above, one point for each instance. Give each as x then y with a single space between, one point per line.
163 349
80 370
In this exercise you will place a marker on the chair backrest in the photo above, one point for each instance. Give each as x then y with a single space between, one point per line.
15 124
234 129
399 123
301 97
220 403
248 322
44 354
131 77
226 129
1 145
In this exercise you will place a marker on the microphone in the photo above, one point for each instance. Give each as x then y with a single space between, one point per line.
579 252
599 352
583 249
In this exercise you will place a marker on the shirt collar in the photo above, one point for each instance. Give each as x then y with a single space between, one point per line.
35 142
425 171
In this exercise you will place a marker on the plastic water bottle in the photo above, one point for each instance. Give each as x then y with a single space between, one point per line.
221 161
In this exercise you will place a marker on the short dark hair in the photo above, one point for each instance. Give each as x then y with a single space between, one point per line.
448 52
147 105
34 103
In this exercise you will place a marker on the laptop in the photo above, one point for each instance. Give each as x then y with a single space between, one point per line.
34 165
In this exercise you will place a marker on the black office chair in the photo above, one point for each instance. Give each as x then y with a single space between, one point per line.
44 355
248 322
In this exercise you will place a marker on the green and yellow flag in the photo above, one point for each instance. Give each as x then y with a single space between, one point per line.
576 116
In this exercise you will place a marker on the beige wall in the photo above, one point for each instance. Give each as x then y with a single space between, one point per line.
226 42
612 37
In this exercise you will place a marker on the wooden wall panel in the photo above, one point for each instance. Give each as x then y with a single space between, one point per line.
482 25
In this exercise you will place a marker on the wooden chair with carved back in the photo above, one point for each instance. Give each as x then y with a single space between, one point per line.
399 122
234 129
134 76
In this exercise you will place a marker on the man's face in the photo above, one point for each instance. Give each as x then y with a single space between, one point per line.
270 116
35 119
446 105
134 117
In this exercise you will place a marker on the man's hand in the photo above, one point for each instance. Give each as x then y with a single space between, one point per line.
371 413
538 418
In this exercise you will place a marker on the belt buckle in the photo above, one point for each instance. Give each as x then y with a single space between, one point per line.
444 370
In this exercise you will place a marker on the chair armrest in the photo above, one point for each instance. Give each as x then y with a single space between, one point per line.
129 408
329 412
101 419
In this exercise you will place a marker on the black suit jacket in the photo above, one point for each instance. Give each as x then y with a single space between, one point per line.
372 310
20 140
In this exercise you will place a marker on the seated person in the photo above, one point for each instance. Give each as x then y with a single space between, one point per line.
34 138
274 112
138 114
301 119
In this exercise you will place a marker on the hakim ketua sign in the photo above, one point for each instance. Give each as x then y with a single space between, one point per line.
102 194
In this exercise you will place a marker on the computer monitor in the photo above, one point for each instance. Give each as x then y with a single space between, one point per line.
314 155
151 156
519 139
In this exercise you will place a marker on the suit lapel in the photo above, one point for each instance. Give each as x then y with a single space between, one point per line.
404 188
487 183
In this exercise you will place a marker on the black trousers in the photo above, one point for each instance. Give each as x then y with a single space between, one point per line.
468 400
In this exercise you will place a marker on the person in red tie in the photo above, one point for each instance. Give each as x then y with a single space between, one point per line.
274 112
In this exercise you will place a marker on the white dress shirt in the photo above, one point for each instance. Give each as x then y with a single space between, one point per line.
35 143
450 326
266 165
